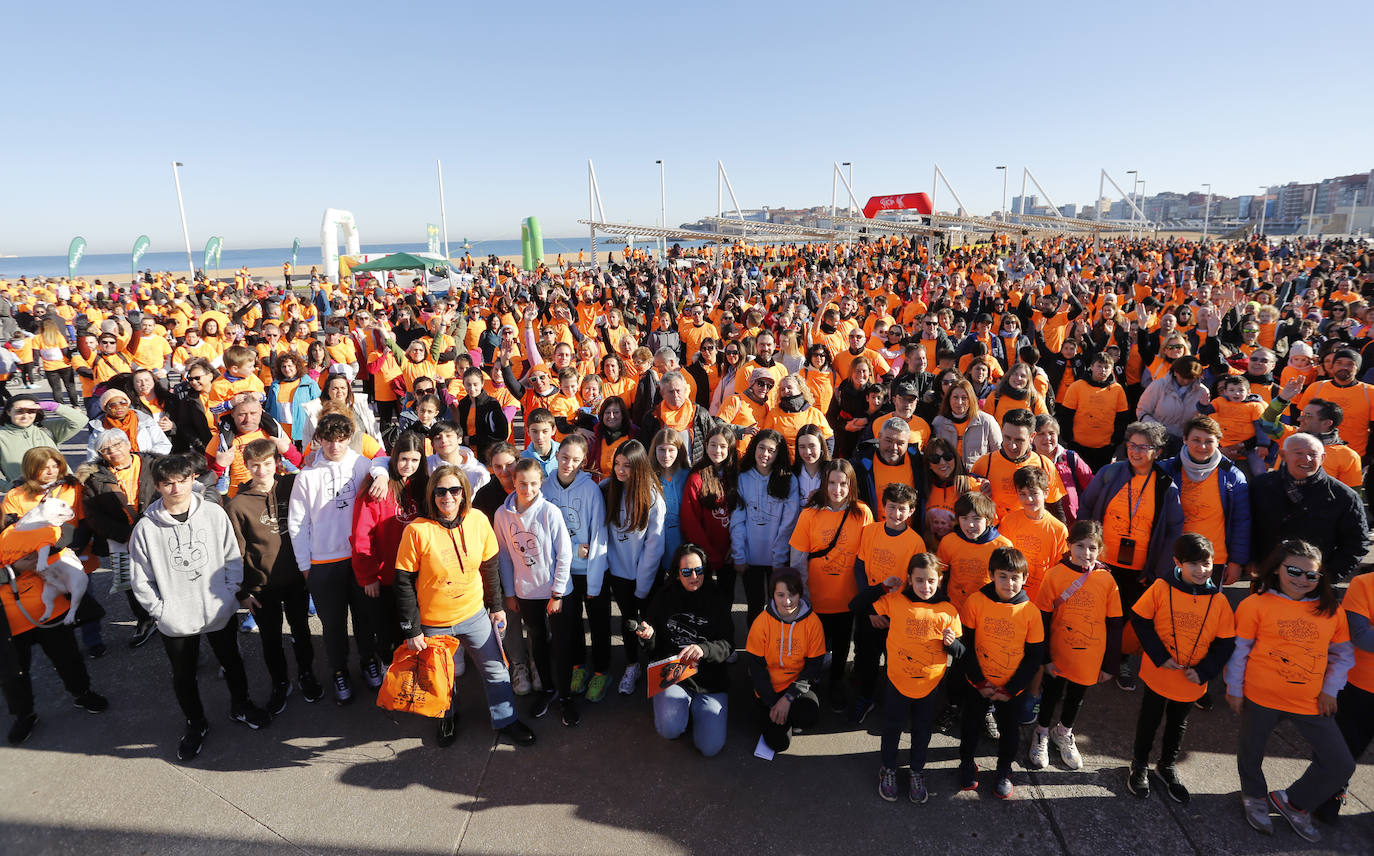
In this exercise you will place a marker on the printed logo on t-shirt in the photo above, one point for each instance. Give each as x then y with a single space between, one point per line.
189 556
1296 665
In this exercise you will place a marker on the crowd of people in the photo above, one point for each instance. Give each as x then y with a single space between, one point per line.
1009 471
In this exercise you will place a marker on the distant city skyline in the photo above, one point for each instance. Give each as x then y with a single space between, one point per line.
279 112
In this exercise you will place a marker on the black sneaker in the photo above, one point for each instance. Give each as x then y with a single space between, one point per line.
542 702
571 716
250 715
1138 780
193 741
22 728
276 702
92 702
142 633
311 690
860 710
836 697
1204 701
1173 785
448 729
96 651
372 672
1125 677
343 688
518 733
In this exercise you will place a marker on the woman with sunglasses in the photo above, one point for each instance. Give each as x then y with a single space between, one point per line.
448 583
818 376
1292 654
28 424
946 479
689 621
704 370
733 355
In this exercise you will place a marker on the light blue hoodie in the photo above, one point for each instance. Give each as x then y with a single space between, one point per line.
584 512
536 552
762 525
636 555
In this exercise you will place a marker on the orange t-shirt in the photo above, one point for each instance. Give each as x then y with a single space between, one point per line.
448 562
1357 400
786 647
1288 661
1044 542
1095 412
967 564
1237 419
1359 599
1202 512
884 475
999 471
1003 632
1187 624
1078 629
886 555
1130 514
830 579
916 656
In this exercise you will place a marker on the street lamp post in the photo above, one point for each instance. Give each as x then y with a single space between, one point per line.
1004 192
185 233
663 206
1264 204
851 186
1135 182
1206 212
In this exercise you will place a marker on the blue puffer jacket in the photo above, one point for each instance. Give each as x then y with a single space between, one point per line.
1235 504
1168 522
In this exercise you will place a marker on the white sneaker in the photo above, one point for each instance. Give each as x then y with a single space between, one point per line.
629 679
1063 741
520 679
460 664
1039 750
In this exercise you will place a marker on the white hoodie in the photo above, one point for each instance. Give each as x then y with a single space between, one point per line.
319 516
187 575
536 551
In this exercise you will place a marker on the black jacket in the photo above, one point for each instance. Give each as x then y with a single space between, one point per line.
702 617
1325 513
491 422
187 412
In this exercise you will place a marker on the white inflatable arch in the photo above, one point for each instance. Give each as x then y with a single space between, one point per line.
334 220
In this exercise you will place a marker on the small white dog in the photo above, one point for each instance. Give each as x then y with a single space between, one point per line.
63 576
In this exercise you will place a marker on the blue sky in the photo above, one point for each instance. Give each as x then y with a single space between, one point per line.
280 110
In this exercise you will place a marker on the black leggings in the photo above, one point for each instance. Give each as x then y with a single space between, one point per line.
624 593
292 601
901 712
60 378
598 616
839 630
805 711
1005 712
184 652
755 590
1153 708
16 660
1052 689
550 643
869 645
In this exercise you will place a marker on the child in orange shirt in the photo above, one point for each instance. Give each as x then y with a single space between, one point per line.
1006 638
923 643
1177 666
1035 532
1236 410
1292 656
884 548
1082 615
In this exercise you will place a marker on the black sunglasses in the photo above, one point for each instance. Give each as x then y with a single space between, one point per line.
1296 572
692 572
455 491
940 457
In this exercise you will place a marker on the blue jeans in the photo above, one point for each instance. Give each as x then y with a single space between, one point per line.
708 713
485 649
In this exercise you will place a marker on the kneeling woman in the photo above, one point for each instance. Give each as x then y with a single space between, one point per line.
446 570
690 619
786 655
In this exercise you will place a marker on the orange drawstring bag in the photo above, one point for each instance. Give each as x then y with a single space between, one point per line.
420 681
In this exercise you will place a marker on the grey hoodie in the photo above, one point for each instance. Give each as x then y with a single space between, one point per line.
584 510
187 575
535 549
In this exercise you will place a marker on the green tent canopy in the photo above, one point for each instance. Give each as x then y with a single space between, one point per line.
402 261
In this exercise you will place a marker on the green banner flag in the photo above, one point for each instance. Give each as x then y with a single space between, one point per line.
219 251
295 251
211 249
433 232
140 247
74 254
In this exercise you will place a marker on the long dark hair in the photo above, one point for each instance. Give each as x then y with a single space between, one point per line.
719 481
811 430
820 498
638 492
1267 574
417 489
780 478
